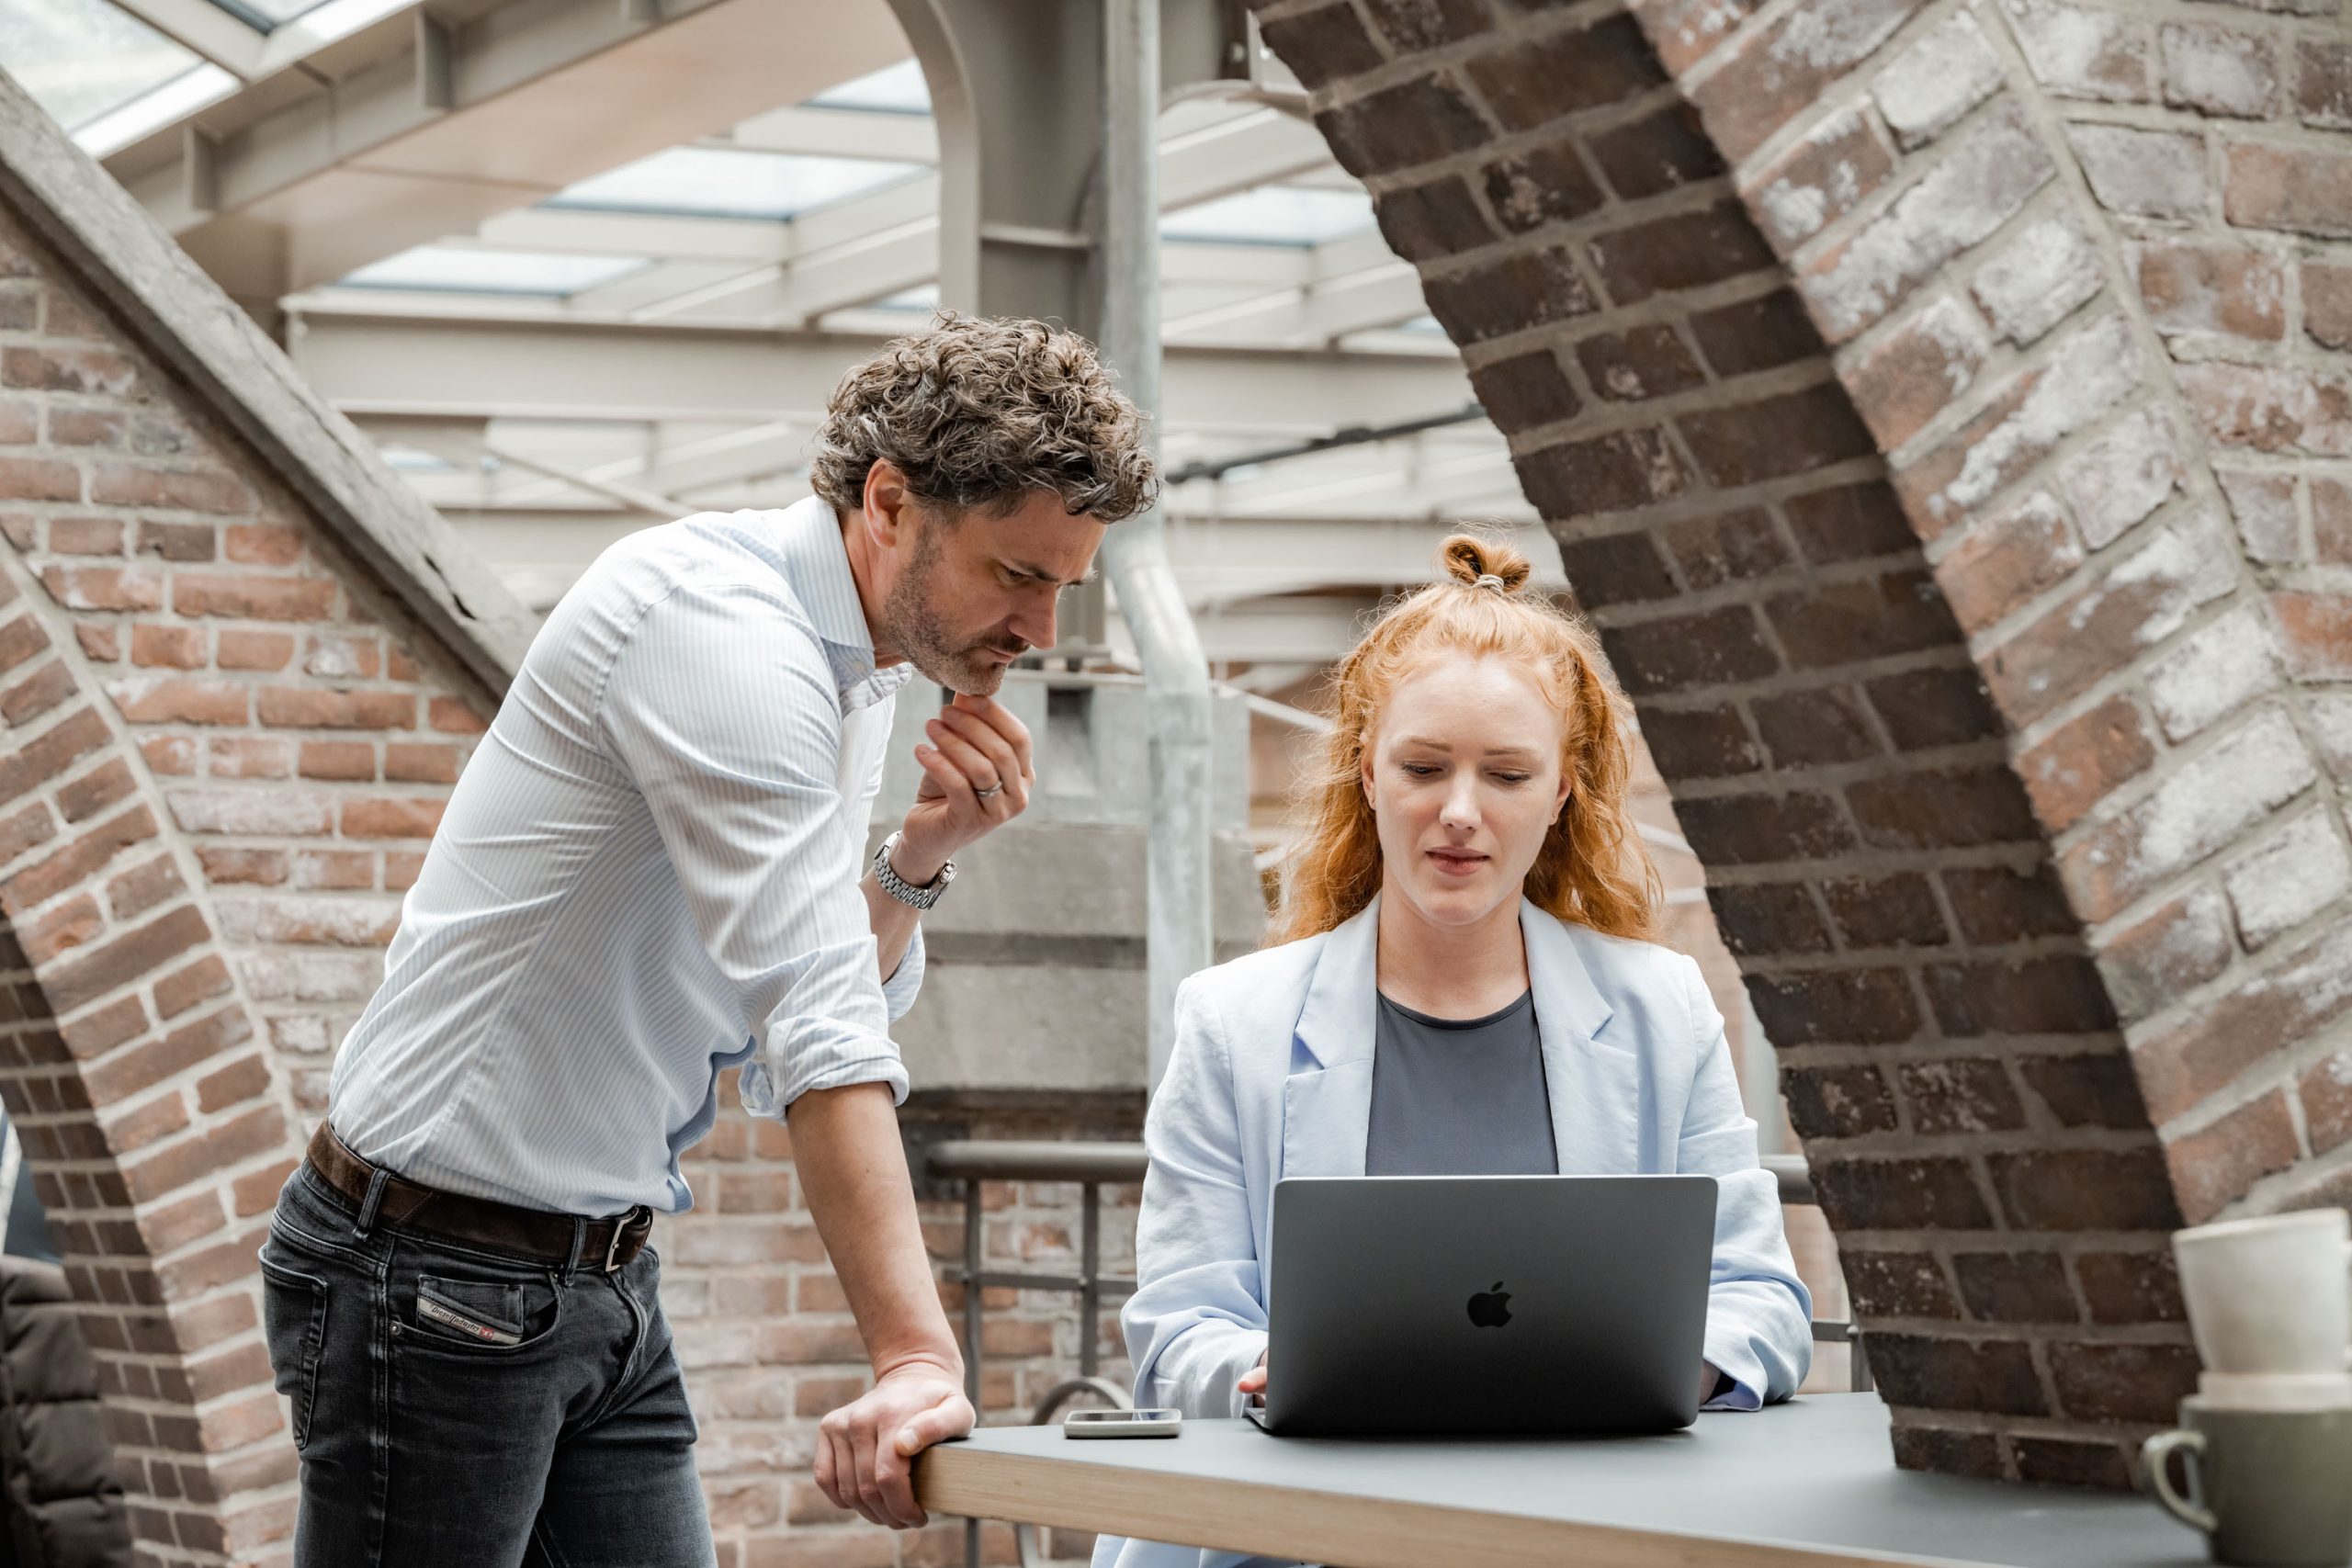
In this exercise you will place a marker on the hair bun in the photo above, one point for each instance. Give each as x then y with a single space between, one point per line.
1468 559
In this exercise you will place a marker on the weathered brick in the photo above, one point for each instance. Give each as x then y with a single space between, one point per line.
171 490
1520 392
1837 1102
1753 829
2134 604
179 541
2299 190
199 981
2169 953
2217 71
178 647
1529 289
37 694
93 372
338 759
1708 743
313 707
2327 304
2083 51
1426 221
1711 648
179 699
1775 437
2326 1090
1686 31
239 865
1940 76
2002 564
1849 522
252 597
1770 917
1912 1193
1529 83
391 819
2084 760
2086 1189
1323 45
2037 279
1725 548
1988 176
239 648
77 861
2129 1287
450 715
2194 289
1820 180
61 930
1913 373
1655 153
1993 1375
1885 911
2290 876
2140 173
1762 333
2058 994
2096 1090
2142 1384
1782 68
2204 804
1850 621
1897 1284
85 535
262 544
275 812
44 758
2015 1287
125 958
250 757
1842 1006
2324 84
1414 122
2314 634
2123 475
1623 469
1412 25
2331 522
103 587
335 869
1948 1452
1616 568
218 1147
1638 363
95 790
1923 709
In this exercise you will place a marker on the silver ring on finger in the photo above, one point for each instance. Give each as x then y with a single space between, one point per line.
995 789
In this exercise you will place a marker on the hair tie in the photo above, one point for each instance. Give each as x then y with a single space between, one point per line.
1489 579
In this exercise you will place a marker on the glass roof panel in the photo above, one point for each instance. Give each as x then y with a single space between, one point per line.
1272 215
267 13
722 182
922 297
83 59
454 270
894 89
175 100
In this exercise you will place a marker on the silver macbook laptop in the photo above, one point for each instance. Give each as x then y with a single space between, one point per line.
1487 1304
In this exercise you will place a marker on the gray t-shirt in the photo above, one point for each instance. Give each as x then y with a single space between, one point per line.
1459 1097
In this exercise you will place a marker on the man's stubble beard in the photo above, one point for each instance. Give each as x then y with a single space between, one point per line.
916 632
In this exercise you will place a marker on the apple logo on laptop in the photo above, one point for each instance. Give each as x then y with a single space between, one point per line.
1491 1308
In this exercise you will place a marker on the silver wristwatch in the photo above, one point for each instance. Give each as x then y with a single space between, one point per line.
898 887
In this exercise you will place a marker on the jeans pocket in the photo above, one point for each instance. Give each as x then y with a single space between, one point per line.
294 1325
477 1313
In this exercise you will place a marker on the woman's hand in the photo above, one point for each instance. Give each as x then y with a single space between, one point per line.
1253 1381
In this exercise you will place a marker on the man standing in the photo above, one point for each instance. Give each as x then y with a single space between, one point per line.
653 870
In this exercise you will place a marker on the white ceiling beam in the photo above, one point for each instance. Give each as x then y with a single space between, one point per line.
822 132
206 30
1311 316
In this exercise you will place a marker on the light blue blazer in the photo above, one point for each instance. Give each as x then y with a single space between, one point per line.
1271 1077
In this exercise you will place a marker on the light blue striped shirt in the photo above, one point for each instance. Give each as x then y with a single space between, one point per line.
649 873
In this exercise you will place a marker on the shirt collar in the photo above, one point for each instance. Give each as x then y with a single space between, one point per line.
816 563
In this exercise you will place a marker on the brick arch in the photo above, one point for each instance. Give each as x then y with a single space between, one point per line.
1943 453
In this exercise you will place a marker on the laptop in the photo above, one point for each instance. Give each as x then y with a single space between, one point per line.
1487 1305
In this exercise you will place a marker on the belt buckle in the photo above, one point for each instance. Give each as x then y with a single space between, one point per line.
620 1228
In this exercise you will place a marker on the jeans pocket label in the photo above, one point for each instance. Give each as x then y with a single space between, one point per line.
460 1321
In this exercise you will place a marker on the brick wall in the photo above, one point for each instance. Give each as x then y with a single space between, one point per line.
1936 406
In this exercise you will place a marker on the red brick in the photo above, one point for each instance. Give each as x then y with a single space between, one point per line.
1819 180
37 694
94 1034
126 958
39 479
179 541
2214 1167
1535 186
1638 363
339 869
149 1123
91 372
247 1078
175 1225
1974 1454
199 981
144 887
1725 548
1531 82
85 536
1775 437
20 640
2299 191
136 484
22 830
1940 808
103 587
2202 289
1619 471
226 866
251 757
254 598
389 819
262 544
1972 1096
310 707
1912 373
45 756
450 715
1851 522
421 764
1656 154
258 1130
2080 763
1778 69
61 930
169 754
1855 620
179 648
241 649
2327 304
2324 84
1686 31
401 869
182 701
1511 293
2315 632
99 640
338 759
1999 566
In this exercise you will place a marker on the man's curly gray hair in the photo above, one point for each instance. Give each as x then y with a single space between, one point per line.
978 414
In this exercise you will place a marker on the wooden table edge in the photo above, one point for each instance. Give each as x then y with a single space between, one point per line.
1305 1525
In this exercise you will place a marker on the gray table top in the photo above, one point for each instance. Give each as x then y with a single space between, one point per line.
1813 1475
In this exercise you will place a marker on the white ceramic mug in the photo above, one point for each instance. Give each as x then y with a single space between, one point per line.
2275 1390
2271 1296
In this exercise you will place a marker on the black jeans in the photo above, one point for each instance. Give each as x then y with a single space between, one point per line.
459 1408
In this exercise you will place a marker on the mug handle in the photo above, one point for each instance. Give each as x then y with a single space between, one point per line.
2156 1454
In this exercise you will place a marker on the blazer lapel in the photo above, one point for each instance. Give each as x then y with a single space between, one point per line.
1327 1101
1595 1087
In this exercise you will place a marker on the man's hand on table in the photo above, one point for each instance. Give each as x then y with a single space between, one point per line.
976 744
865 1448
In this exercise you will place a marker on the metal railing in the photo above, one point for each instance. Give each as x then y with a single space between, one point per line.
1093 1166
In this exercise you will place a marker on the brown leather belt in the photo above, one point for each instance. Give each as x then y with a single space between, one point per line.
605 1245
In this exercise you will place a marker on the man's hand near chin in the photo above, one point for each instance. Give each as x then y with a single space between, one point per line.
866 1449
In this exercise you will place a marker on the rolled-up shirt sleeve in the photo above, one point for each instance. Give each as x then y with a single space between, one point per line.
723 709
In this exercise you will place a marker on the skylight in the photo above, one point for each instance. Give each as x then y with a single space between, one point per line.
1272 215
722 182
922 297
894 89
83 59
174 101
266 13
453 269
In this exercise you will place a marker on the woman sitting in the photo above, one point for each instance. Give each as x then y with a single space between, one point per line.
1466 984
